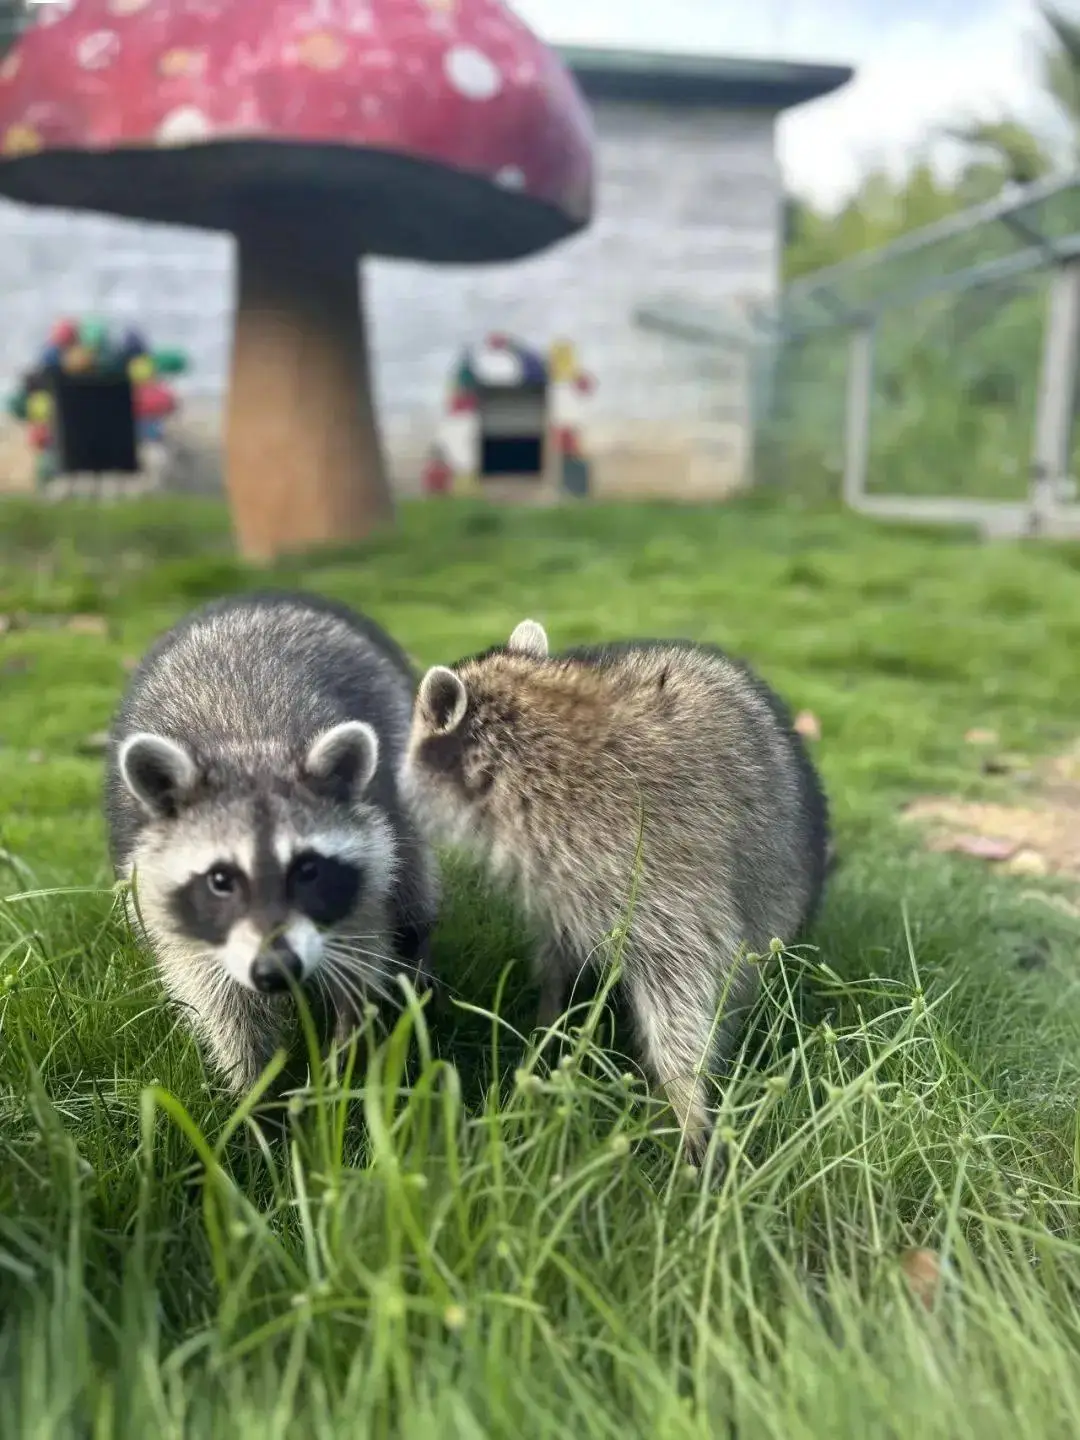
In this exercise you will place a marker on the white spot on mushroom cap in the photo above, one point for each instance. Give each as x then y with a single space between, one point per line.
97 50
510 177
471 73
184 126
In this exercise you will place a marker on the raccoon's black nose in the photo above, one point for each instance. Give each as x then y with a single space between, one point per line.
273 967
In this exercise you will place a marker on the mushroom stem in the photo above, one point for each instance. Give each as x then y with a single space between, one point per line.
304 462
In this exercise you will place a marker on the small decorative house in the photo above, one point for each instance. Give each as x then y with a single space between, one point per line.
94 405
512 427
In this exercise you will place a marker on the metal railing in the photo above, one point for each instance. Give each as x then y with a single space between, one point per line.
944 362
1002 278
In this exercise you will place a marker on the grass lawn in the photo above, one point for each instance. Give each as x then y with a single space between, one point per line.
506 1248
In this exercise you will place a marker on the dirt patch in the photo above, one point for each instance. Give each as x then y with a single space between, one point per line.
1039 837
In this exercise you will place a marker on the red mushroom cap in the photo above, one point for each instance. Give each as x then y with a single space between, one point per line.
425 129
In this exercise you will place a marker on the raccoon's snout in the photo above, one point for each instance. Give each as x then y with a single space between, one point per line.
274 965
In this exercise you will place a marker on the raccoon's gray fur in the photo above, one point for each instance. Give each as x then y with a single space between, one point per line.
252 794
554 768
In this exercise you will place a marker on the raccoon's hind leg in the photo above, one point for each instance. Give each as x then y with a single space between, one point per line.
673 1025
556 967
674 1003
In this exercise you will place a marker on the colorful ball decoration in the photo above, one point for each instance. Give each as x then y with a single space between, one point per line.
77 360
133 344
563 362
63 334
153 401
438 476
83 349
568 442
569 393
169 362
39 407
92 334
141 370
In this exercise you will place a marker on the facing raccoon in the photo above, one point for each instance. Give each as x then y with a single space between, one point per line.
252 795
555 769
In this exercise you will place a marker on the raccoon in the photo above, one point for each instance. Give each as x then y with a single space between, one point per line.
661 769
252 798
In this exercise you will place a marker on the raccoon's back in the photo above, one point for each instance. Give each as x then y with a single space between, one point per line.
272 667
713 753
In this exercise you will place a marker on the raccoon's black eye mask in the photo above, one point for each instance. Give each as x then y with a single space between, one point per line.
207 906
323 888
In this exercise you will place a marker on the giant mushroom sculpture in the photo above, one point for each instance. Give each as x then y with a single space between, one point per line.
315 132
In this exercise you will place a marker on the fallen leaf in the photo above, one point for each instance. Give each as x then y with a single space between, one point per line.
981 737
982 847
922 1271
88 625
807 725
95 744
129 662
35 757
1028 862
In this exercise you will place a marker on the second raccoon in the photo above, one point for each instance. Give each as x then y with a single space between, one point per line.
252 797
556 769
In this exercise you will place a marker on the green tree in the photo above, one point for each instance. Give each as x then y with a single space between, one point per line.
1010 152
882 209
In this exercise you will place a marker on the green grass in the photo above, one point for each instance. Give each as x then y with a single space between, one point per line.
507 1247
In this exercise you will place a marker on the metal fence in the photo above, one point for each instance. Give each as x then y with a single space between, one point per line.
936 379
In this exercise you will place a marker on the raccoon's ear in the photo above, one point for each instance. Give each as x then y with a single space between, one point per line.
442 700
529 638
344 757
158 772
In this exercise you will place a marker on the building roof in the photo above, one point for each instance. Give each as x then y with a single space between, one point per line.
685 80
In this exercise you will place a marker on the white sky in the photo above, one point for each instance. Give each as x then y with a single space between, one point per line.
919 63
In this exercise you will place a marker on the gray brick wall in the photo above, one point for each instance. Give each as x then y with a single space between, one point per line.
689 204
